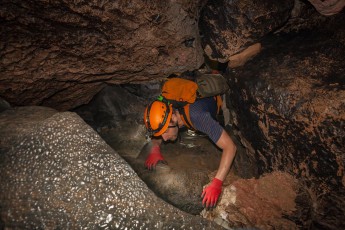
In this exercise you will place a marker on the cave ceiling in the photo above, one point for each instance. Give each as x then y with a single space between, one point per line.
61 53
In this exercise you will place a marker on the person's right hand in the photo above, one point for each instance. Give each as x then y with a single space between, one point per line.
154 157
211 193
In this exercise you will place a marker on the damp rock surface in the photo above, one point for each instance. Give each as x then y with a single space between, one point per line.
59 174
289 105
189 160
181 179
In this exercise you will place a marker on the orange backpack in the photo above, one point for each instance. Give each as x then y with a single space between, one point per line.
181 93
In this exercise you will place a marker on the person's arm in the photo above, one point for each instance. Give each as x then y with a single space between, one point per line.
229 150
212 192
156 142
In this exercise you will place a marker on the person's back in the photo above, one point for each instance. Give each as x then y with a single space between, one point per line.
203 115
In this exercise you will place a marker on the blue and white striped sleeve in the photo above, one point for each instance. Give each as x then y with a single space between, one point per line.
205 123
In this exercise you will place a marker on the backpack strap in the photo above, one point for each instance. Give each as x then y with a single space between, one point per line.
184 114
219 101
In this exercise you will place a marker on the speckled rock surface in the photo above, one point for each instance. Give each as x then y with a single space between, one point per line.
16 121
289 105
59 174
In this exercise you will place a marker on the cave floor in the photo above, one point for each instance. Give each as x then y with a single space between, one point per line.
190 151
192 162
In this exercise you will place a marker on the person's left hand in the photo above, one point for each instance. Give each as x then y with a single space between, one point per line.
211 193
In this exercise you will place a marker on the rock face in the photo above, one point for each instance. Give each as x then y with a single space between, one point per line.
231 26
264 203
4 105
289 105
59 53
116 113
59 174
328 7
113 105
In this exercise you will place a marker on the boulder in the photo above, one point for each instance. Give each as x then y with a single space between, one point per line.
60 174
264 203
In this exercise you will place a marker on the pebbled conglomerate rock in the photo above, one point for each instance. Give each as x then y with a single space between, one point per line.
16 121
289 105
59 174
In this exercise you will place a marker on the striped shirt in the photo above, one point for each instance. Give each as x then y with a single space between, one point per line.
203 117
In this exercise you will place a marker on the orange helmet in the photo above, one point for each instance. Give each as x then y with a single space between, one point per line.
157 117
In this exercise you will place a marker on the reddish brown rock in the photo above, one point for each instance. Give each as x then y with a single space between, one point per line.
241 58
59 53
228 27
263 203
328 7
290 103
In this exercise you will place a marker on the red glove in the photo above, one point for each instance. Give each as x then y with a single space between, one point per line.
211 193
154 157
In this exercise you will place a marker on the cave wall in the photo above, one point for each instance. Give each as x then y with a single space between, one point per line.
289 105
59 53
228 27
